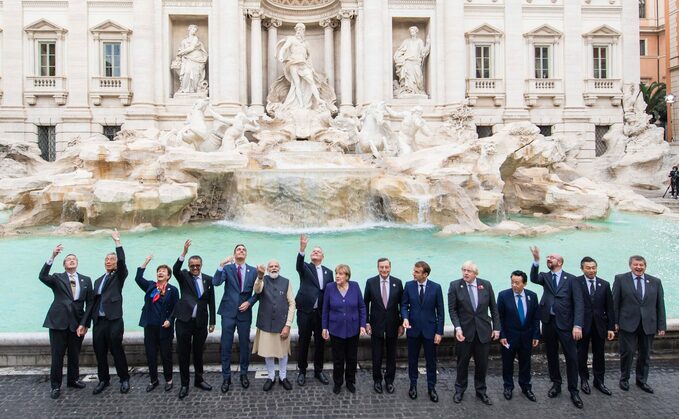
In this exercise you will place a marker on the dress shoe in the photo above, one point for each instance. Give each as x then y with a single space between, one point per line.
301 379
377 387
602 388
124 386
152 386
554 391
336 389
584 386
203 386
268 384
529 395
412 393
457 398
244 382
100 387
168 386
76 384
390 388
183 391
507 393
322 378
55 393
433 396
226 385
285 383
644 387
577 401
624 385
351 387
484 399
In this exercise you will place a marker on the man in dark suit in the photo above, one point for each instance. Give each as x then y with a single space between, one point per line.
382 298
66 319
472 308
561 313
107 312
639 305
599 322
422 313
195 309
236 311
313 278
519 333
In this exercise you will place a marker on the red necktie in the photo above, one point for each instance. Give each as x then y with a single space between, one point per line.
240 278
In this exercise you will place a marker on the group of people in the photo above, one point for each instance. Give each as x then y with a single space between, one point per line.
574 313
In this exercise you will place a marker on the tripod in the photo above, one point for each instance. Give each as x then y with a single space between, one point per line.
666 190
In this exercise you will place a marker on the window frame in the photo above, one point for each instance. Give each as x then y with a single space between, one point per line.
49 54
488 58
537 71
607 61
104 56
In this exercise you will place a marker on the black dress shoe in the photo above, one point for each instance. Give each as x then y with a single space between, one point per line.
244 382
457 398
301 379
433 396
203 386
412 393
624 385
322 378
602 388
377 387
100 387
645 387
124 386
554 391
351 387
152 386
55 393
584 386
390 388
76 384
285 383
168 386
336 389
577 401
507 393
226 385
484 399
529 395
183 391
268 385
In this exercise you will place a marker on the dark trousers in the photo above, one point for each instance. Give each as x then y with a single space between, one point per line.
344 359
61 343
523 353
190 337
307 324
465 350
598 361
108 337
414 345
552 336
377 343
153 344
628 346
229 326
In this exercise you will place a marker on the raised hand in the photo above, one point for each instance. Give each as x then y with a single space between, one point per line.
228 260
536 253
303 241
261 270
147 260
115 235
57 250
187 244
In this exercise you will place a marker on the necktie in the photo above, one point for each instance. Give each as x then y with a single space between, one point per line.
554 281
470 288
240 278
319 273
102 313
640 292
421 293
591 287
195 283
384 293
519 305
71 279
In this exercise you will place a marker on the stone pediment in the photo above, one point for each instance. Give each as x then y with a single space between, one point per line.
601 32
484 32
544 31
110 27
44 26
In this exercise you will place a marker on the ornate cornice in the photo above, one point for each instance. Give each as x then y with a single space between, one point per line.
305 11
329 23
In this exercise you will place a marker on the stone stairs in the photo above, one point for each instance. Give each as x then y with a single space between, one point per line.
656 196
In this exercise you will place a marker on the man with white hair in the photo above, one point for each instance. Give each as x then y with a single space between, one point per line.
471 303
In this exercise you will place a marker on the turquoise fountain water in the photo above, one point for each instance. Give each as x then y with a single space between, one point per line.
27 299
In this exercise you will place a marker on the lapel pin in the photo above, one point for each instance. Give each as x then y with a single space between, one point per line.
528 297
461 285
648 282
393 285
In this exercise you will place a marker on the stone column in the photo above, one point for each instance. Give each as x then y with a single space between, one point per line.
329 26
514 71
374 70
454 50
12 115
272 26
226 49
346 66
142 66
630 43
256 60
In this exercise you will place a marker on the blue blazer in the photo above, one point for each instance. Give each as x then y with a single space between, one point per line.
233 297
425 319
343 316
510 324
171 298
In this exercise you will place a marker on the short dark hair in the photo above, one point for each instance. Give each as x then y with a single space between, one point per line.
424 265
380 260
587 259
196 257
66 257
167 268
522 274
240 244
636 258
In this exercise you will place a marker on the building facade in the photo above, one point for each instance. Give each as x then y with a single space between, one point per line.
652 40
78 67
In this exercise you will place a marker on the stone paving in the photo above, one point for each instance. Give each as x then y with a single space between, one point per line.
28 396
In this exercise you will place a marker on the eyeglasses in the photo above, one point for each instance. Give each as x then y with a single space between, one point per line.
194 266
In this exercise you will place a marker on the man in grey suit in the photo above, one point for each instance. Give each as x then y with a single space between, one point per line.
639 306
472 308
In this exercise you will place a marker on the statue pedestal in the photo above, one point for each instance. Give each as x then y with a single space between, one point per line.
304 123
196 95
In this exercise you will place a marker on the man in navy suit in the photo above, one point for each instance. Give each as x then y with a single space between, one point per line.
236 310
599 324
519 333
561 312
313 278
422 312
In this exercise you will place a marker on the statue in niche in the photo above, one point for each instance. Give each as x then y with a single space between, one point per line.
411 125
408 61
189 64
375 135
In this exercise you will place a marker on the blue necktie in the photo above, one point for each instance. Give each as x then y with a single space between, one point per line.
519 304
195 283
554 281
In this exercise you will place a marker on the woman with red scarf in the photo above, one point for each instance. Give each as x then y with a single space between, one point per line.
157 321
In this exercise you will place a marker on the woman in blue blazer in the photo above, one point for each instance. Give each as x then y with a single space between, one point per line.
343 320
158 321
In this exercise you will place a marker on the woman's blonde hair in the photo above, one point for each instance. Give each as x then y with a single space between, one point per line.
345 268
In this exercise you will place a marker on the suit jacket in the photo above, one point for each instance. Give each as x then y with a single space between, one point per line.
383 320
189 298
112 293
566 299
343 316
510 323
425 319
629 310
598 308
167 309
309 291
480 322
65 312
233 297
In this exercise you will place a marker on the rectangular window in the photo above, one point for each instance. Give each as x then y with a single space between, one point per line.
112 59
599 143
47 60
484 131
482 61
47 142
545 130
110 131
542 58
642 47
600 57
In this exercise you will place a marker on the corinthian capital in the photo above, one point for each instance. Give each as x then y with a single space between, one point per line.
272 23
346 14
254 13
328 23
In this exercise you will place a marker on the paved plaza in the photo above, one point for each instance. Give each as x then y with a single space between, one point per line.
27 396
